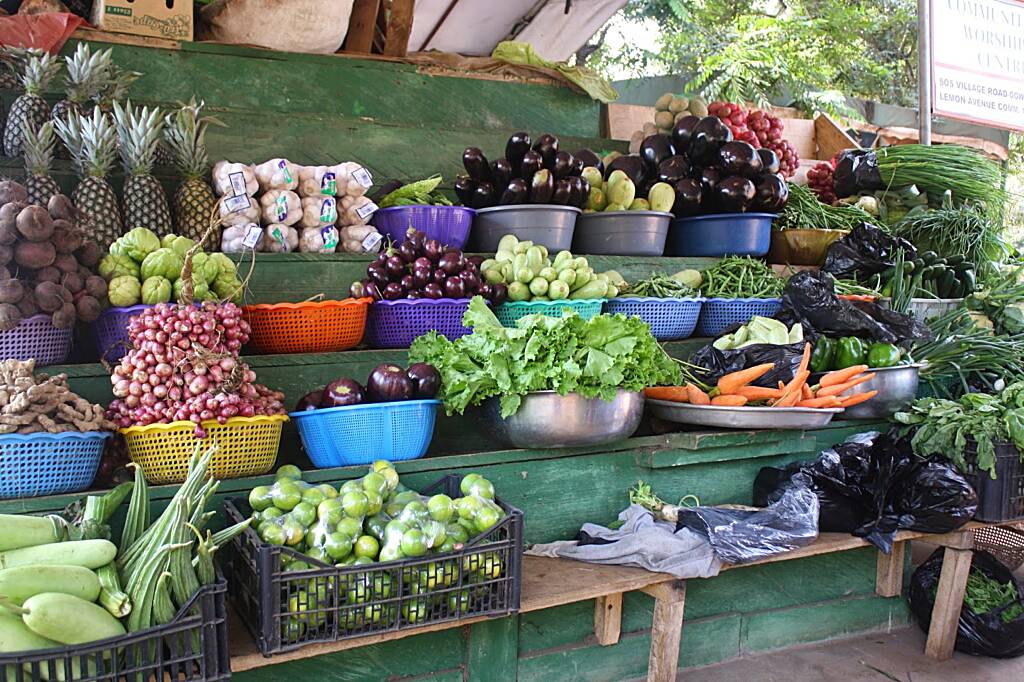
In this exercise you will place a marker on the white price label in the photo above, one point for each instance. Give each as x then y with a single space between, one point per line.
363 177
329 211
237 203
366 210
238 183
372 242
329 184
253 234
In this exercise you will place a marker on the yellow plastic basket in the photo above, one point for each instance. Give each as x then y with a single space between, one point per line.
248 447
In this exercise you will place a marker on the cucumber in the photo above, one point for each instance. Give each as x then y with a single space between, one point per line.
69 620
18 584
929 257
87 553
18 531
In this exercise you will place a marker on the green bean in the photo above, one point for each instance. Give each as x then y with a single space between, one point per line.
741 277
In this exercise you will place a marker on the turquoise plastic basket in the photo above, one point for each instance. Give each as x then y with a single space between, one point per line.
360 434
49 463
510 311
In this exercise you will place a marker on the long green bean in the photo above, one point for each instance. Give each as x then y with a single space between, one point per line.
804 211
741 277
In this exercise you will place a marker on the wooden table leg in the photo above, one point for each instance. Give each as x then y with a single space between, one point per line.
666 630
889 574
949 598
608 619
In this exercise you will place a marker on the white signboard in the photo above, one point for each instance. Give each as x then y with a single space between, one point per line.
978 61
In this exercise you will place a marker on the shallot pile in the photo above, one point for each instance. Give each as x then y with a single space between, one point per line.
184 365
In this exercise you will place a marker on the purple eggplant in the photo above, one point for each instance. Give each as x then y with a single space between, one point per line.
387 383
416 238
426 381
771 193
475 261
342 392
310 401
422 262
531 163
452 263
395 267
564 165
393 291
486 290
682 131
433 250
455 287
688 197
378 275
673 169
407 282
739 158
769 161
515 193
381 259
630 164
542 187
373 291
656 148
579 191
420 277
547 146
471 280
406 251
433 290
734 193
562 193
483 197
464 188
439 276
590 159
708 179
517 146
501 172
500 294
476 164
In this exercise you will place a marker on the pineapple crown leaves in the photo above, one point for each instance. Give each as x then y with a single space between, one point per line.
185 135
92 141
39 71
87 73
39 147
114 85
139 131
15 58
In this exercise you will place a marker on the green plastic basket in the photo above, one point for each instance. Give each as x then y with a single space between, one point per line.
510 311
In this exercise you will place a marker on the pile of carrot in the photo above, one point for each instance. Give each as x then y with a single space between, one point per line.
735 390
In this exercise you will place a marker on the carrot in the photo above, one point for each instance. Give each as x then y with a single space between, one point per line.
827 401
805 359
758 393
840 376
729 400
806 393
730 382
856 398
677 394
793 390
857 297
842 388
697 396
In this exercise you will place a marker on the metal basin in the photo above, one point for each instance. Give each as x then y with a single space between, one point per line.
548 420
896 386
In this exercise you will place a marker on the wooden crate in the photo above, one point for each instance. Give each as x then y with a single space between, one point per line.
380 27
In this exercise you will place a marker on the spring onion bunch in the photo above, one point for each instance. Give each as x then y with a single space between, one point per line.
969 174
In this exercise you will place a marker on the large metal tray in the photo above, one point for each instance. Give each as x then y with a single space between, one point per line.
742 417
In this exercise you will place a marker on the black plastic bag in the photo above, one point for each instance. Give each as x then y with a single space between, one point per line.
978 634
873 485
718 363
810 299
857 171
866 251
740 535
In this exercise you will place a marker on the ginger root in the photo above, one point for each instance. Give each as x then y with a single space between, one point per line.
31 403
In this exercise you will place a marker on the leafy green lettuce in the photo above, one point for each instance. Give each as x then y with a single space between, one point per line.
594 358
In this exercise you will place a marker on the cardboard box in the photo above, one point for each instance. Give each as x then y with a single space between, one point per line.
169 19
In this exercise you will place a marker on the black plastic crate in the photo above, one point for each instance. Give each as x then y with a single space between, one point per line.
191 648
286 610
1001 498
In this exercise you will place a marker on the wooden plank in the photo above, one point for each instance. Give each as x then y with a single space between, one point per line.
800 133
788 442
492 650
830 137
608 619
396 40
551 582
949 599
889 573
96 35
361 26
666 632
620 121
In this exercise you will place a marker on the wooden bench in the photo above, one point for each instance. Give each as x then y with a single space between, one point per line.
554 582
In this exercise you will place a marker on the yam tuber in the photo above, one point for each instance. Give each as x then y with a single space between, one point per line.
61 208
10 317
34 254
12 191
34 223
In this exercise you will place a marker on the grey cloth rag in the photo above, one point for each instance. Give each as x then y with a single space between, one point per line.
641 541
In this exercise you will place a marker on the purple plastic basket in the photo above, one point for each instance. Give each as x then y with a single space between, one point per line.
447 224
111 331
35 338
396 324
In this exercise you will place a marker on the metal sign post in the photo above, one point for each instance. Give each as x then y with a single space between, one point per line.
924 71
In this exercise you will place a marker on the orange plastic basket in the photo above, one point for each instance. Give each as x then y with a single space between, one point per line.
311 327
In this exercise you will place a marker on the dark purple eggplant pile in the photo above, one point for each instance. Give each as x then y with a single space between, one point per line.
387 383
425 268
531 172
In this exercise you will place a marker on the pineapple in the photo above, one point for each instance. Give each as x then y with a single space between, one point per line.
112 86
87 73
144 201
30 110
39 146
93 144
194 200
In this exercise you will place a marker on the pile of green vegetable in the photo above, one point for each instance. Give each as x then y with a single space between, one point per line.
619 193
929 276
524 267
943 427
967 173
419 193
1000 305
142 268
965 231
760 330
803 211
594 358
985 594
839 353
741 277
683 284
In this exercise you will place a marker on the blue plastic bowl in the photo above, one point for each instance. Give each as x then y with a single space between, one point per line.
721 234
360 434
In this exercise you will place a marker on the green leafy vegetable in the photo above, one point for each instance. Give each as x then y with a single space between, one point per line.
421 192
985 594
592 357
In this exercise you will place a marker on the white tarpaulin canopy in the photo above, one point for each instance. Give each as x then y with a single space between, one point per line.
475 27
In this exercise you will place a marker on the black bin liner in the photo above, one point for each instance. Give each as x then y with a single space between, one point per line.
978 634
866 251
857 171
718 363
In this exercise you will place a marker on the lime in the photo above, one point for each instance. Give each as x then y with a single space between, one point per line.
414 511
272 533
456 532
304 513
367 546
467 481
375 525
297 565
363 561
415 610
359 589
413 543
391 552
472 563
313 496
330 511
294 531
286 494
353 486
328 490
373 613
468 507
440 507
491 566
375 482
351 619
289 471
338 545
458 602
482 487
437 573
434 533
320 554
316 536
271 513
374 502
354 504
395 529
381 584
486 519
447 546
380 465
406 496
349 526
347 561
393 509
260 498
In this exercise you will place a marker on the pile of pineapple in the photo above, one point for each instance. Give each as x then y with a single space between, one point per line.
96 125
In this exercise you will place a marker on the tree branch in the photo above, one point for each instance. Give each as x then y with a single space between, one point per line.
585 52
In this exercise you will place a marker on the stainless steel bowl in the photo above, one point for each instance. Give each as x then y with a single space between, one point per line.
548 420
896 386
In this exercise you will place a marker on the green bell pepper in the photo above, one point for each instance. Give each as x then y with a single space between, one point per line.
883 355
823 355
850 351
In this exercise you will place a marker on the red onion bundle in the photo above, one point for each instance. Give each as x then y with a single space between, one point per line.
184 365
821 180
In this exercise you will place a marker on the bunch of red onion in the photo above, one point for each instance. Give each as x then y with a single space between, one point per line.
821 180
760 129
184 365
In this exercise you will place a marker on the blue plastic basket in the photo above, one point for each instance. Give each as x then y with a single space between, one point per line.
510 311
360 434
49 463
669 318
717 315
721 234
